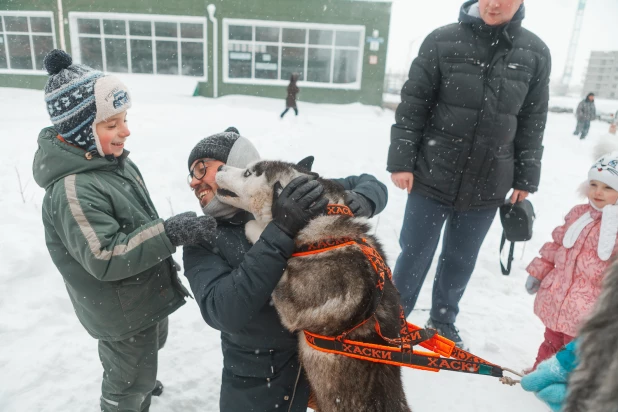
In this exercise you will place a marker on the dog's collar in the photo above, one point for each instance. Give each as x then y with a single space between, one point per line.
335 209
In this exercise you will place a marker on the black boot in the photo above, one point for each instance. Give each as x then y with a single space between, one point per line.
158 389
447 330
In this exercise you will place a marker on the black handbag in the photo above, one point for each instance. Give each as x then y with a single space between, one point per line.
517 220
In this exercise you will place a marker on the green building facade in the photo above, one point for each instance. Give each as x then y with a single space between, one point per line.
252 47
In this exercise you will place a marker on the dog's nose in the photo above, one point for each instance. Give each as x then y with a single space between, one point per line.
220 168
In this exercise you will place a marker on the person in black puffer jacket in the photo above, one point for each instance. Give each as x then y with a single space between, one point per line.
468 130
586 112
232 280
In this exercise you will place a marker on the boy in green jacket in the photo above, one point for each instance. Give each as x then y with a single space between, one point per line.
103 232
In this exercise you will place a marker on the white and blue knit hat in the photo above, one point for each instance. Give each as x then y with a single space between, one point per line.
78 97
605 170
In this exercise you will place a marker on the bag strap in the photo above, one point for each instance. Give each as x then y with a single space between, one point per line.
506 271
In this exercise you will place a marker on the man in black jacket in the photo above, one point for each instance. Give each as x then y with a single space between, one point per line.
469 129
232 280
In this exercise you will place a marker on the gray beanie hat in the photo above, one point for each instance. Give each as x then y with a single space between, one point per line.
78 97
228 147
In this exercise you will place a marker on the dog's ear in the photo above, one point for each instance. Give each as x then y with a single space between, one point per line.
306 163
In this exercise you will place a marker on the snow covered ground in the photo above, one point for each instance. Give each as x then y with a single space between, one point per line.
49 363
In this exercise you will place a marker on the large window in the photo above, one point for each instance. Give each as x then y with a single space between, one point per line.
135 43
269 52
25 39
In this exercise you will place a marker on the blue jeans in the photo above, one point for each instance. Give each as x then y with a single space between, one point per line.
463 236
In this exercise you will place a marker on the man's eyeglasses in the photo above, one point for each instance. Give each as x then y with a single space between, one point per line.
198 171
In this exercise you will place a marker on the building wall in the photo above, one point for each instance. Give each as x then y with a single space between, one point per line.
602 75
371 15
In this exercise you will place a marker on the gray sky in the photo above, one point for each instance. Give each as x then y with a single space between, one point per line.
551 20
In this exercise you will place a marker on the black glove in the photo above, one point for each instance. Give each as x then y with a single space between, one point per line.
359 204
299 202
189 229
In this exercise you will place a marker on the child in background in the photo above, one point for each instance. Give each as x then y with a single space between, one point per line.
103 232
567 277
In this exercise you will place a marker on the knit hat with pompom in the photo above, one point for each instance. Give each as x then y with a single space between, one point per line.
78 97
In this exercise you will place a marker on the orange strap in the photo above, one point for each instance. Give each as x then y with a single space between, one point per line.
454 358
404 340
401 353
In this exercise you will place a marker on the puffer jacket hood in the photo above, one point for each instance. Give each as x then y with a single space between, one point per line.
54 160
466 18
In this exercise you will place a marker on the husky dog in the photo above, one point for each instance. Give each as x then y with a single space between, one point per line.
326 293
593 385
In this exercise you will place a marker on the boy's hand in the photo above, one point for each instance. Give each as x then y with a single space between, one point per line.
189 229
359 204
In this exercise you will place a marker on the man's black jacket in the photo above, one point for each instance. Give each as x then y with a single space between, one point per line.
232 282
471 121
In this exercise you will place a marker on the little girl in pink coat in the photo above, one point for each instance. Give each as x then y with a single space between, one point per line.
567 277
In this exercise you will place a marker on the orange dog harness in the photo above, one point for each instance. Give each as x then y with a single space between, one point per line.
442 353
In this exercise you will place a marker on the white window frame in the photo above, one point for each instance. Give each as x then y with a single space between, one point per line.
292 25
30 33
75 36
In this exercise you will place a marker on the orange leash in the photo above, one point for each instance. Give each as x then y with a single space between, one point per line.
442 353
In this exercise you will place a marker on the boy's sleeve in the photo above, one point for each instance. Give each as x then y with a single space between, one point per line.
84 219
368 186
230 298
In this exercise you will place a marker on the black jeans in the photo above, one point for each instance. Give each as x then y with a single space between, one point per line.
463 235
288 108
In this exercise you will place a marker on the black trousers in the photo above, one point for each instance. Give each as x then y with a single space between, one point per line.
130 369
288 108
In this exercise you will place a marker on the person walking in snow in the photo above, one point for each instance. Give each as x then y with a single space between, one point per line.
103 232
586 112
469 129
290 100
232 280
567 277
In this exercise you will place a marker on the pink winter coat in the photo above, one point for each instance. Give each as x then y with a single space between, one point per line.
570 278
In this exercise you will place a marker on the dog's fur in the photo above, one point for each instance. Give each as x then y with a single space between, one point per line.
325 293
593 386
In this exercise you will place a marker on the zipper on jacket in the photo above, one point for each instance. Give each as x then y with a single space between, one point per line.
577 257
300 369
487 67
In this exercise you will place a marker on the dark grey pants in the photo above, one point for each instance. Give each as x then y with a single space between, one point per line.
583 126
130 369
463 235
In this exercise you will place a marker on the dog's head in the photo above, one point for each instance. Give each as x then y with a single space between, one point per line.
252 188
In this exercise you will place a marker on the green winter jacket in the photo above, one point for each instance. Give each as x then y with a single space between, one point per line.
106 239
